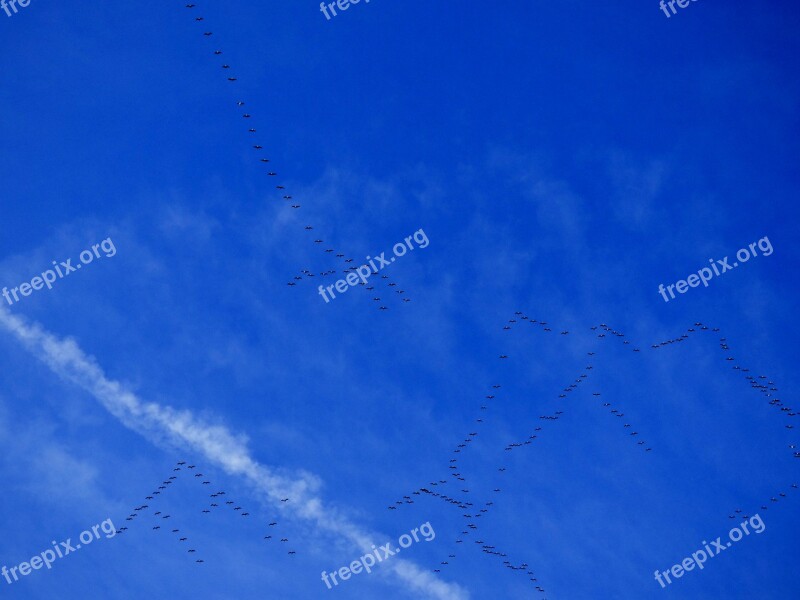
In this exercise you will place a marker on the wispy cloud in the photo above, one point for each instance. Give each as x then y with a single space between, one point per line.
163 424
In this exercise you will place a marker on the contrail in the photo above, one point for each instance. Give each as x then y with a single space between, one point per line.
219 445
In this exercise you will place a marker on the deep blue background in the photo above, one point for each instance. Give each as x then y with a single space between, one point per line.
564 158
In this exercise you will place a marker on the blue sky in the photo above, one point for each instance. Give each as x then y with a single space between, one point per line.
564 159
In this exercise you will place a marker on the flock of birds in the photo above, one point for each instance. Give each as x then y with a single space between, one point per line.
453 489
218 500
347 262
462 498
761 384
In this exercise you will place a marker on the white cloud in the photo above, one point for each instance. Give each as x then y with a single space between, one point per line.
228 451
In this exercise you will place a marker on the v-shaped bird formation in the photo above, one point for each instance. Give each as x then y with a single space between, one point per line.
454 490
218 501
454 486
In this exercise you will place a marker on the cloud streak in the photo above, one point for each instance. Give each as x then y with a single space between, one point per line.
217 444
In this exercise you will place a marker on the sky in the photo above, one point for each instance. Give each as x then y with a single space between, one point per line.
557 162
